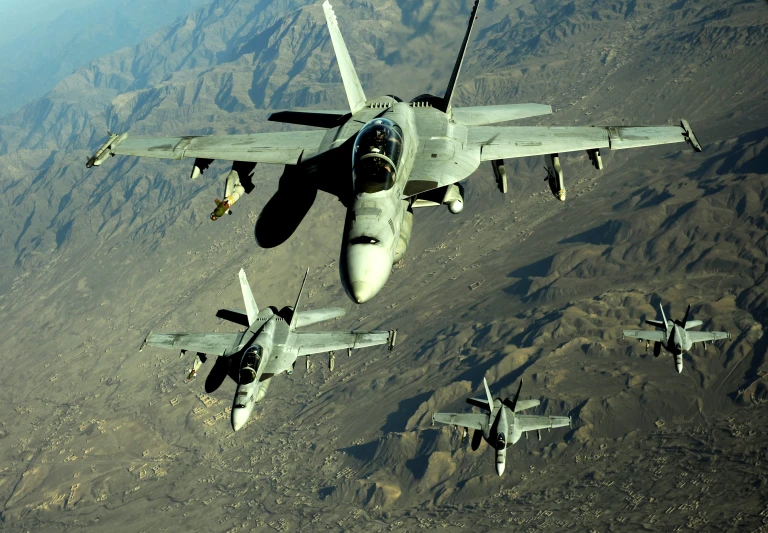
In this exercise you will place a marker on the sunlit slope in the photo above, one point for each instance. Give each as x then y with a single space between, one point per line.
515 286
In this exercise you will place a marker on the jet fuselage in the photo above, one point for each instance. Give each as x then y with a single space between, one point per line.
264 353
377 232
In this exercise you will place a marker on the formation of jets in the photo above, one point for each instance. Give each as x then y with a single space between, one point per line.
673 336
500 425
383 158
269 346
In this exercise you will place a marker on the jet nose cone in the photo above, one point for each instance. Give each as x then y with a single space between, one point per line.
367 270
679 363
239 418
500 468
362 291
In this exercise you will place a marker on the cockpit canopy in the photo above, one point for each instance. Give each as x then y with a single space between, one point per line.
375 156
249 364
501 442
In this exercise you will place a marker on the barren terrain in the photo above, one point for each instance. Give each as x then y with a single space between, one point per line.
96 434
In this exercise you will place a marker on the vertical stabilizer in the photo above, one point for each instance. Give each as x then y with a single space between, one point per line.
251 309
457 67
513 407
488 394
664 318
352 85
687 315
295 315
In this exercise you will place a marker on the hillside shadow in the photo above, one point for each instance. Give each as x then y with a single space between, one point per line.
405 408
648 198
538 269
604 234
734 161
363 452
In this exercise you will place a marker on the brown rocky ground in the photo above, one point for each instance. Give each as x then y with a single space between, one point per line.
95 433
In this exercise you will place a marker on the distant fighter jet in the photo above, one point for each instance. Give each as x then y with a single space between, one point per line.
268 347
384 157
501 426
674 336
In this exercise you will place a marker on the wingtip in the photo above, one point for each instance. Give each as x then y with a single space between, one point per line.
144 342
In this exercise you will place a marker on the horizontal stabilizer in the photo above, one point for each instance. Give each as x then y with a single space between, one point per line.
656 324
238 317
318 119
477 402
693 323
492 114
305 318
526 404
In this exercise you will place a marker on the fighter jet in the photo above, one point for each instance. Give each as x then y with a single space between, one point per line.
268 347
383 158
501 426
673 336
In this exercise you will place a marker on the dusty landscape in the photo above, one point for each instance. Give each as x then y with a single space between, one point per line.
96 434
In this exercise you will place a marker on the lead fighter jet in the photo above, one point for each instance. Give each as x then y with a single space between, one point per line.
384 157
269 346
673 336
501 427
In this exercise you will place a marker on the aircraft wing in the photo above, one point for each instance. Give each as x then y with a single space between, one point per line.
208 343
443 161
285 148
532 423
653 336
509 142
308 343
467 420
703 336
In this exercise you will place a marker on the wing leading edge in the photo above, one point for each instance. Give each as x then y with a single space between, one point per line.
467 420
208 343
308 343
653 336
704 336
509 142
532 423
283 148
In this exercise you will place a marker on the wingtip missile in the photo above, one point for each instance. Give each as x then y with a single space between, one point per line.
690 137
144 342
105 150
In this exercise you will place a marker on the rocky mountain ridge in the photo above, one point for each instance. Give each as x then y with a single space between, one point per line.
517 286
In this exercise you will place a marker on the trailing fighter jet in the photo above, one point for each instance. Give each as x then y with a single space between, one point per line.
384 157
673 336
501 426
269 346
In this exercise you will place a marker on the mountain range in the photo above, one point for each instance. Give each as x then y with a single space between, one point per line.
516 286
